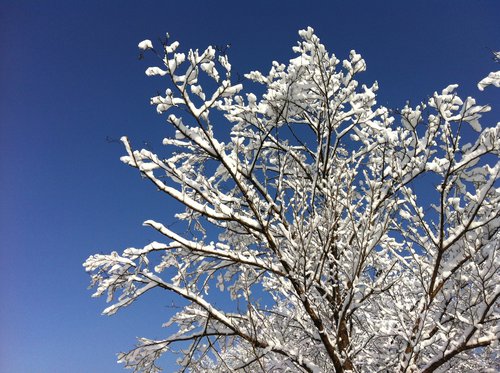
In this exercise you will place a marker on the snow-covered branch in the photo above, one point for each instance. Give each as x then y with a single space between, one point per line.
342 236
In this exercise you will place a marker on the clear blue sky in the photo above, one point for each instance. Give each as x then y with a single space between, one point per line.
70 78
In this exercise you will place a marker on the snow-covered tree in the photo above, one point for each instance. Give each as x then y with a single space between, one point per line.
342 235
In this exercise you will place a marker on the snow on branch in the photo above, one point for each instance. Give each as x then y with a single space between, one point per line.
493 78
340 235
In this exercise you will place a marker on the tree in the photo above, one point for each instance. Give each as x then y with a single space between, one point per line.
345 237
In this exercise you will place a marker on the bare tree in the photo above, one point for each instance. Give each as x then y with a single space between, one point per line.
346 237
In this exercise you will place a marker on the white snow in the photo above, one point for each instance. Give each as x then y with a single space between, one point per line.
145 44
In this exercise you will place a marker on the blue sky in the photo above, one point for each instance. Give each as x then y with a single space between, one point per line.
70 78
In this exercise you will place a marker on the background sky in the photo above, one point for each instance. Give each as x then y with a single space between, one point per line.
70 78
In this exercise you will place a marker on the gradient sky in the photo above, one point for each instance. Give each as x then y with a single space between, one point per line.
70 78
